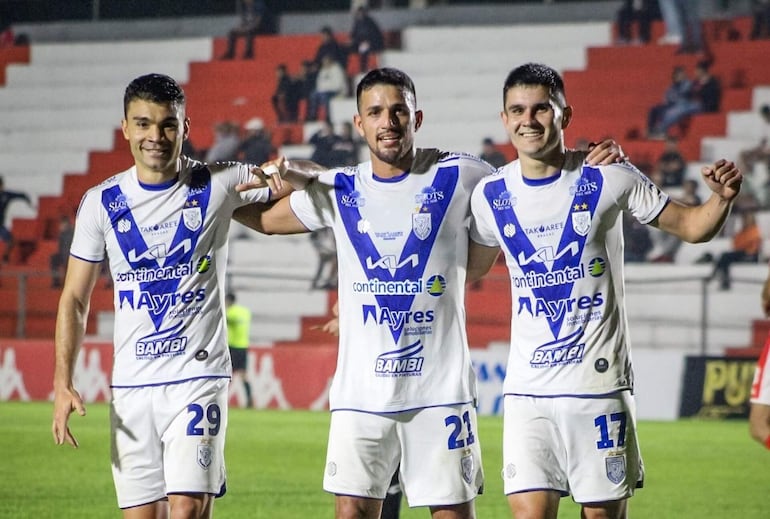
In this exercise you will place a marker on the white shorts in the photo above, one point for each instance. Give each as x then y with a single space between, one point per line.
586 447
760 388
437 449
168 439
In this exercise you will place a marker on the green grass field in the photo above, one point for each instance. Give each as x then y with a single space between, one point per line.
695 469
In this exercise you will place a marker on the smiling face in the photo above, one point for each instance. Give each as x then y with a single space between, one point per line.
155 132
535 119
387 120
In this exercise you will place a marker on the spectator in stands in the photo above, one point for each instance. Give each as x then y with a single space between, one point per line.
683 25
344 150
323 142
59 258
761 152
491 154
304 83
189 150
366 38
671 164
636 237
331 81
746 246
6 197
677 92
326 273
643 12
664 246
704 96
256 147
330 47
254 19
226 141
690 194
760 16
6 34
286 96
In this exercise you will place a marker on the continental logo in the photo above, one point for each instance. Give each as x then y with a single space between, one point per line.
141 275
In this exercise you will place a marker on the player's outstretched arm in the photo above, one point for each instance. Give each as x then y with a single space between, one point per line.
276 174
701 223
480 260
70 328
275 218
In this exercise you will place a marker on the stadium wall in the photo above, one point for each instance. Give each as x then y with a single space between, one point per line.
298 377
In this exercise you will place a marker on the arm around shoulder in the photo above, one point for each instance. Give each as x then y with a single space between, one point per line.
480 260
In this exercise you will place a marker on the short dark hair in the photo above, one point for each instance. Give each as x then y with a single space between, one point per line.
764 110
156 88
230 297
531 74
385 76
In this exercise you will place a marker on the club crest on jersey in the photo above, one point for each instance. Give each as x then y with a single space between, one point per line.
581 222
509 230
616 468
466 464
204 455
124 225
192 218
421 225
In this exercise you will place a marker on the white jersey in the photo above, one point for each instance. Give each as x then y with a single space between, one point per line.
167 251
402 245
563 244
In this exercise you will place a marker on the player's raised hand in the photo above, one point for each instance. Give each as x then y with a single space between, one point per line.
269 174
605 153
65 401
723 178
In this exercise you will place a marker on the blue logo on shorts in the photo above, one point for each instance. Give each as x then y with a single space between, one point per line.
204 455
616 468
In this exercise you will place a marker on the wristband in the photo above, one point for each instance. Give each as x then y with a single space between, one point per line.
767 441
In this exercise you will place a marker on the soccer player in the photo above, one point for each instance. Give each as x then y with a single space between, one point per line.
238 328
569 419
163 224
404 391
759 414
